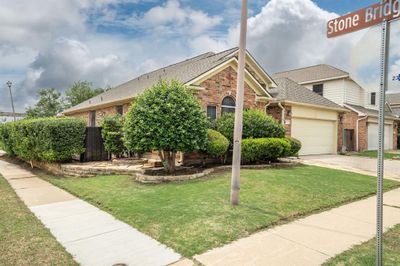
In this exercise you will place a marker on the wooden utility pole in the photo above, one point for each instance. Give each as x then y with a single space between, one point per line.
237 137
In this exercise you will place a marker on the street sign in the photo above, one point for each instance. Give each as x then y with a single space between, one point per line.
396 78
364 18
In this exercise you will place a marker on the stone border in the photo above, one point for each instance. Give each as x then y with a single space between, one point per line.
154 179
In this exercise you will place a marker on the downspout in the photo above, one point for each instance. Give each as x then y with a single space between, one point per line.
357 127
283 113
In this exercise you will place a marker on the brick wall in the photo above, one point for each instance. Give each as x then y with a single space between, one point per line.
276 112
224 84
101 113
349 121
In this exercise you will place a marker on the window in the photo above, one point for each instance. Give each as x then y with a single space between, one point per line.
373 98
120 109
318 89
228 105
92 117
211 112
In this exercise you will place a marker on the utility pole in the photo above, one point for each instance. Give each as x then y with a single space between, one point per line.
237 137
9 84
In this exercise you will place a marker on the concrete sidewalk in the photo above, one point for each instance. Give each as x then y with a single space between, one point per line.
92 236
308 241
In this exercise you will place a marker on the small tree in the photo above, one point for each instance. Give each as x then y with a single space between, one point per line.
49 104
111 132
80 91
166 118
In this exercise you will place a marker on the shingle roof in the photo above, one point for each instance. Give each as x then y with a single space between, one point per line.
369 112
393 98
291 91
312 73
183 71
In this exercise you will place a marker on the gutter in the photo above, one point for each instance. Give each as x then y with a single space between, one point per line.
357 129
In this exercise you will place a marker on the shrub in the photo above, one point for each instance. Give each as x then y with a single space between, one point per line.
166 118
111 132
264 149
217 144
256 124
5 139
295 146
44 139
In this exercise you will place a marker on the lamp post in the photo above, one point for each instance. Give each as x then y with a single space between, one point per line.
237 138
9 84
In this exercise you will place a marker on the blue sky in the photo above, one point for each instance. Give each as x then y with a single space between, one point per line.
108 42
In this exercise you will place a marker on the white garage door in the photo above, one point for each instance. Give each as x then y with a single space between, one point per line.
373 137
317 136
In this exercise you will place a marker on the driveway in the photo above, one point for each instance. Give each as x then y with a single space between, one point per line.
357 164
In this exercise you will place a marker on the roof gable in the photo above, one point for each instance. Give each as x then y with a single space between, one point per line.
186 71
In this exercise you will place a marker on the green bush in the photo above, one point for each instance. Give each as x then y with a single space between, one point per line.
44 139
166 118
256 124
217 144
295 146
111 132
264 149
6 143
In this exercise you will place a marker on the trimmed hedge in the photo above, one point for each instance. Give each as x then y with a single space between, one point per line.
264 149
295 146
217 144
111 132
44 139
256 124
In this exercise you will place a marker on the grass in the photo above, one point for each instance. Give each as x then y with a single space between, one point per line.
364 254
374 154
23 239
195 216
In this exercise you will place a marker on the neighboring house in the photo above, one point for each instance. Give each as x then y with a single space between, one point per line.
358 128
212 79
9 116
393 100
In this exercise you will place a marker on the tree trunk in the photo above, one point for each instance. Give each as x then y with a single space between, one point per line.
168 159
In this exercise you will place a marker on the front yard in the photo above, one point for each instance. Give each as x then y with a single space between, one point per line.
364 254
374 154
23 239
195 216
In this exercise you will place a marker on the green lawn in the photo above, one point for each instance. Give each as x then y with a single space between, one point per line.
364 254
374 154
23 239
194 216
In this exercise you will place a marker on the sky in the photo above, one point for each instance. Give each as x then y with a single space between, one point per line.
46 43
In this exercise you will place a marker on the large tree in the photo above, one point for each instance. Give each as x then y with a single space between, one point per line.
79 92
50 103
166 118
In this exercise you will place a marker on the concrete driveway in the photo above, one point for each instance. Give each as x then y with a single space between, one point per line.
357 164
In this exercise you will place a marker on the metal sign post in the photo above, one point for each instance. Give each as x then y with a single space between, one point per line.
381 153
383 12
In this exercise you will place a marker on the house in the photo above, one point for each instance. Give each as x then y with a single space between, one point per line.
212 79
393 100
358 128
9 116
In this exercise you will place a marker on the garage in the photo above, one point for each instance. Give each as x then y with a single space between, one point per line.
316 129
373 137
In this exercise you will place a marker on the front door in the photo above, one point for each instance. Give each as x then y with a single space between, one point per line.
348 140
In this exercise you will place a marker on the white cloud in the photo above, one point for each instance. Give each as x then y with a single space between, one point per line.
172 18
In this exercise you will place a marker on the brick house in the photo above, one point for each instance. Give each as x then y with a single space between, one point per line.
212 79
358 127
